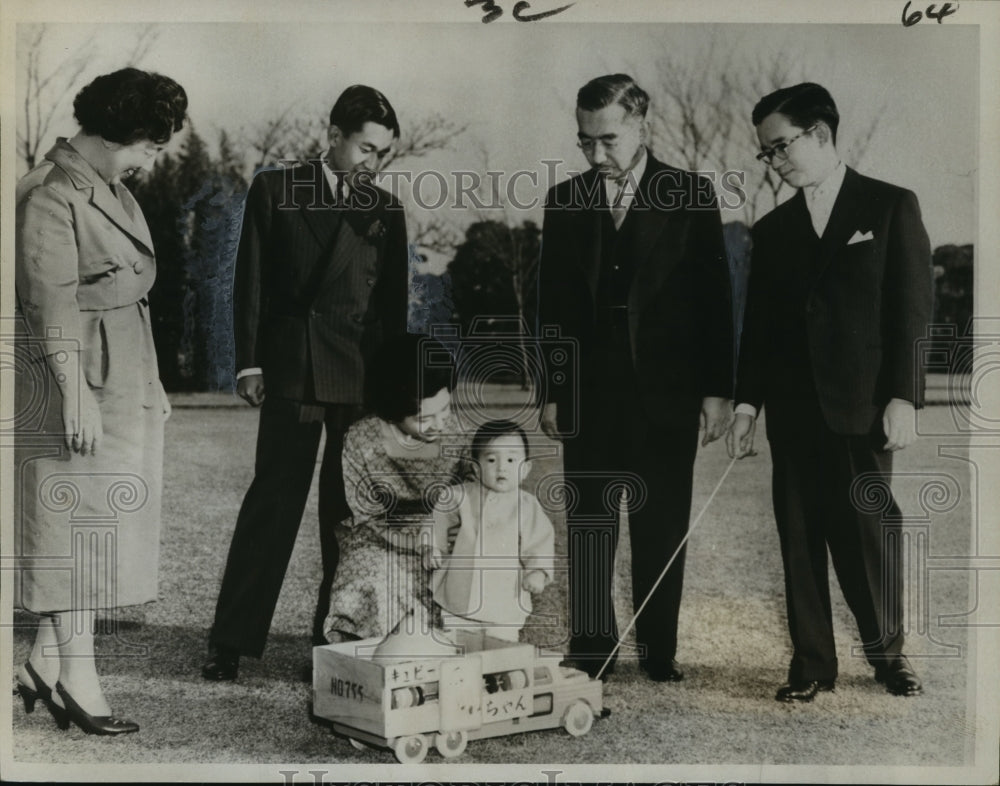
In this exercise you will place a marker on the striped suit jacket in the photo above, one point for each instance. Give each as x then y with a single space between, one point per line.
318 286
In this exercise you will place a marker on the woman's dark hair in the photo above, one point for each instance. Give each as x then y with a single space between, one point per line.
494 429
130 105
804 105
404 372
360 104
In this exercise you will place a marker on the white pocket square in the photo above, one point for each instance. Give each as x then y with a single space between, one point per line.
857 237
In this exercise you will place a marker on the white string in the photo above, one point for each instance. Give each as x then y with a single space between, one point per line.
666 567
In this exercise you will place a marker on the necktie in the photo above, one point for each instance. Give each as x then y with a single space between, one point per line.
616 194
342 194
337 184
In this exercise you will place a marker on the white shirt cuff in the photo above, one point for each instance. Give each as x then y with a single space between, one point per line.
745 409
248 372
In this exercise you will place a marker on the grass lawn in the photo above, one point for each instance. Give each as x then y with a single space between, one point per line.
734 644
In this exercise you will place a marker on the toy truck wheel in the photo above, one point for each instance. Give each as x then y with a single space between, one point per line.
451 743
410 750
578 718
357 744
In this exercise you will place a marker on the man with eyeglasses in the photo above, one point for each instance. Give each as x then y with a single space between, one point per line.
840 293
633 268
320 283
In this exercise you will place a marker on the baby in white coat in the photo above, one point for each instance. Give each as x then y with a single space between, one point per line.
503 545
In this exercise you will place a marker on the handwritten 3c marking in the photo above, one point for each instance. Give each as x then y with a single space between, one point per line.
493 12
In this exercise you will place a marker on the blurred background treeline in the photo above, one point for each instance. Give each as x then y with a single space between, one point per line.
466 264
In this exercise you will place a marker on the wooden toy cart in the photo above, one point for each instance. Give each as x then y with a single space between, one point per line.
495 688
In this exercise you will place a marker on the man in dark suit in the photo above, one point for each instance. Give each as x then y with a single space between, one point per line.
839 295
321 281
634 270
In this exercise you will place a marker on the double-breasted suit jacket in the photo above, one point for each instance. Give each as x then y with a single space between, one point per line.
320 282
84 264
314 293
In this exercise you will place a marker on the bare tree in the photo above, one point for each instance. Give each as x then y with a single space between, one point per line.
45 89
854 147
46 86
428 134
765 74
437 234
692 108
294 136
143 44
700 114
290 136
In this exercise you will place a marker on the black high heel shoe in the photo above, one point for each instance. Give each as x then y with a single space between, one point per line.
41 691
93 724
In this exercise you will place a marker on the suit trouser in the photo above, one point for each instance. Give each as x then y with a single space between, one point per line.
831 491
287 442
618 447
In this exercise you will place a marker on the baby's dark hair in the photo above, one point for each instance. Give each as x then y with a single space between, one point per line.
494 429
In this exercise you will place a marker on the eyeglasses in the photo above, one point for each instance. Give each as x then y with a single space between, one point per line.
590 145
780 150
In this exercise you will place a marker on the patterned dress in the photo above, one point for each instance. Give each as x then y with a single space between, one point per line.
392 489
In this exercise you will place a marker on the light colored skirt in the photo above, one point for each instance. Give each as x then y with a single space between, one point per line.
87 528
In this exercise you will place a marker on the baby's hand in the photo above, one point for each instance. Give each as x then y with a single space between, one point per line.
432 558
533 581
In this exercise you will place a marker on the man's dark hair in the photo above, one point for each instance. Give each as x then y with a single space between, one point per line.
494 429
405 371
804 105
129 106
613 89
360 104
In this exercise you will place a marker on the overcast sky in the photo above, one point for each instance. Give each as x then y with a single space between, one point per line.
515 84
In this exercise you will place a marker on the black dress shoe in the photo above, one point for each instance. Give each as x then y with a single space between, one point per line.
663 671
41 691
803 690
223 664
591 667
899 677
92 724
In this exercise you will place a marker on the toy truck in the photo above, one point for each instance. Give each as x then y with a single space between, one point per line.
489 688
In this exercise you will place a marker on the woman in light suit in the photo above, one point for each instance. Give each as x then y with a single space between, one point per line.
90 408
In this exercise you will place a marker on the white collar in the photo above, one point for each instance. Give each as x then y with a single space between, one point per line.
622 192
333 179
633 175
829 187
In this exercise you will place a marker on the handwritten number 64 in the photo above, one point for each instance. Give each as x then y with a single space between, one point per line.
911 19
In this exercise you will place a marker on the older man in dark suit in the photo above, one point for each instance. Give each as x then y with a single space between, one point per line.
839 296
634 270
321 281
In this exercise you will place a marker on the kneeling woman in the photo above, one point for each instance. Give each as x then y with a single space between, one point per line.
398 461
